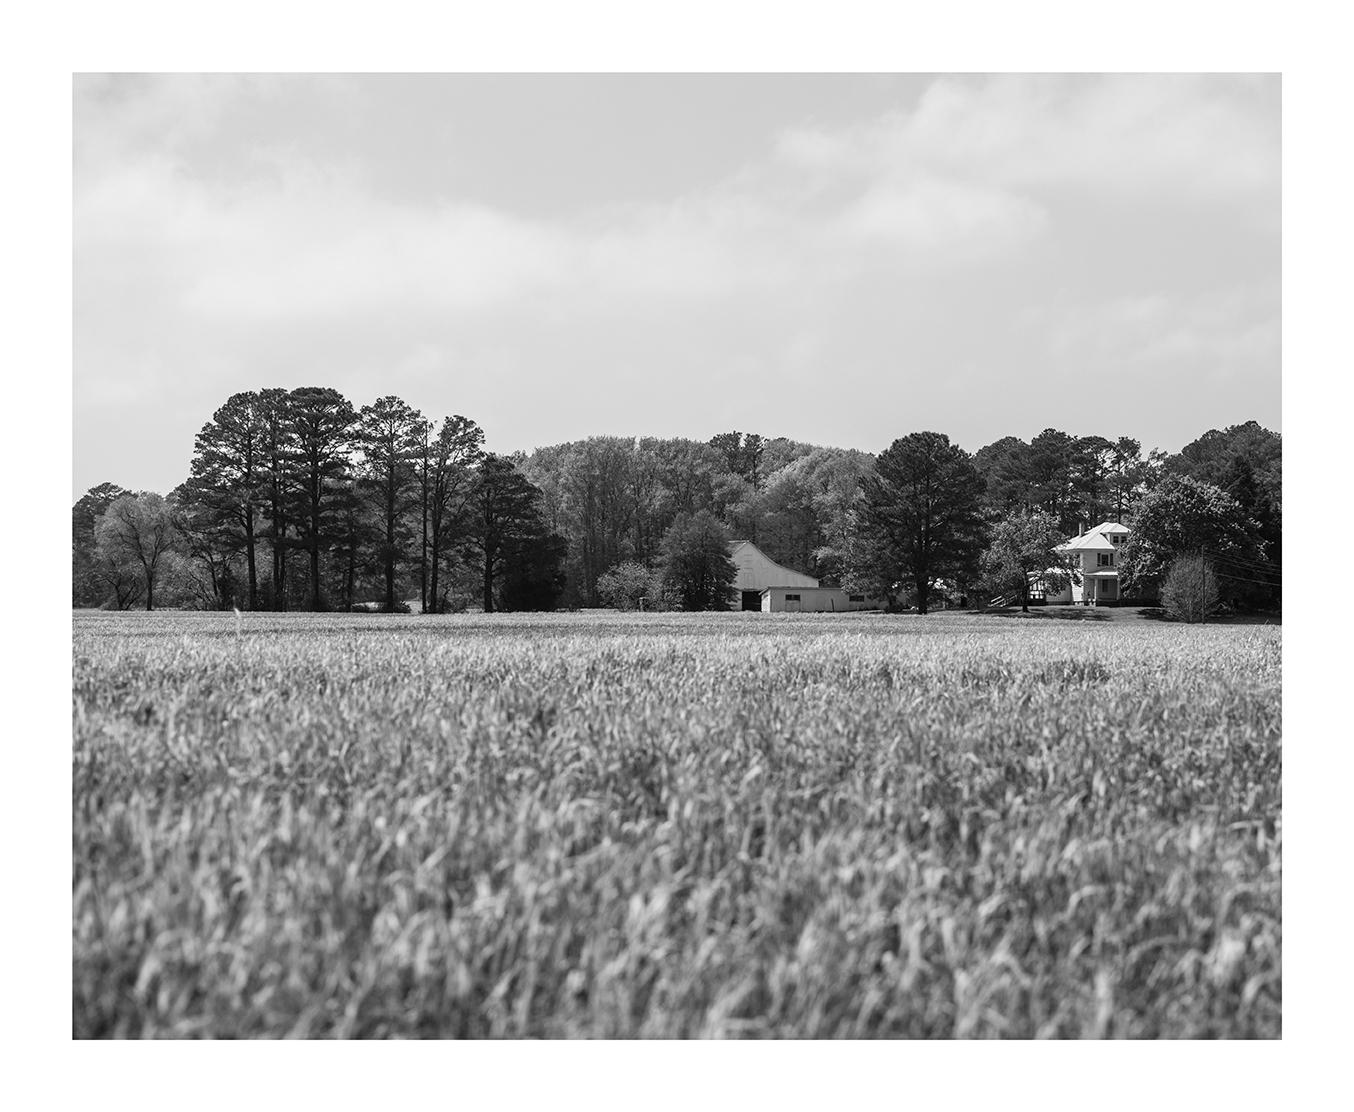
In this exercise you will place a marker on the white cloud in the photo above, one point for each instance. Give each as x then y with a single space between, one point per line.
968 239
937 217
1181 135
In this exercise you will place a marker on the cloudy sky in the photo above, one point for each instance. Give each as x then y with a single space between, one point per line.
841 260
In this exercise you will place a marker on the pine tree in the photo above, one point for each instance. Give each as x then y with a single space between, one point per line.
228 474
920 514
390 435
320 421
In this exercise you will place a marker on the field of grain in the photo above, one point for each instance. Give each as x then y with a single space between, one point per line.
674 825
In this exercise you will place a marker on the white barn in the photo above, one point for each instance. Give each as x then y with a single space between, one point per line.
765 585
757 571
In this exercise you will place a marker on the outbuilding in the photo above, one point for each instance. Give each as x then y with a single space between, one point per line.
757 571
818 600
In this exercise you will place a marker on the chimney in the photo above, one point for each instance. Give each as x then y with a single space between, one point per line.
1081 528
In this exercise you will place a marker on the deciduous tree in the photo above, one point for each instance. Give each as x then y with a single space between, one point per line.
1183 516
89 573
696 563
138 529
1024 544
1189 591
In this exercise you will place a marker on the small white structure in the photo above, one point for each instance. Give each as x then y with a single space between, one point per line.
1095 555
817 600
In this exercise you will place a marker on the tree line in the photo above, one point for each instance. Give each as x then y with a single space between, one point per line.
297 500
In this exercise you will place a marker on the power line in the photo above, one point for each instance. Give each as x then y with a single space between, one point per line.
1243 562
1248 570
1246 579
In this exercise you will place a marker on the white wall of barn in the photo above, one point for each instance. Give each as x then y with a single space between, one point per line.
814 600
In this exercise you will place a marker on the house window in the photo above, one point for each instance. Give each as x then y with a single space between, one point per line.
856 598
1104 559
791 598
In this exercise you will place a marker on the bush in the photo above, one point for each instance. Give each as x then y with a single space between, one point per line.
624 585
1189 592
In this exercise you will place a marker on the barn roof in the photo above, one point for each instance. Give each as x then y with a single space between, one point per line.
751 561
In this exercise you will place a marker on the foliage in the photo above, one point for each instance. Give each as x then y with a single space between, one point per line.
226 488
390 435
319 423
114 576
918 520
625 585
212 546
136 531
1246 461
532 576
696 564
742 455
1079 480
1189 592
1212 455
674 826
805 511
1024 544
454 456
92 578
297 501
511 545
1184 516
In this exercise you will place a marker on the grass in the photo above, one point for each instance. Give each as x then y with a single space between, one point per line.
674 826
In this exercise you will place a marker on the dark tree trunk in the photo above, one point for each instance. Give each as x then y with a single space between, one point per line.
435 560
488 587
279 527
316 602
423 556
389 566
282 579
1025 596
249 559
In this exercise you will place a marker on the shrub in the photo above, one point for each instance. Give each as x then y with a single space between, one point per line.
624 585
1189 592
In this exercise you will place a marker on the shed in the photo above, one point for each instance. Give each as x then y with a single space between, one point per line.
816 600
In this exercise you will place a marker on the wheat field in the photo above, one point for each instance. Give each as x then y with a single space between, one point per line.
674 826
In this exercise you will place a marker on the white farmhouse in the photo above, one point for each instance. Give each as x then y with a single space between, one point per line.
1095 554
